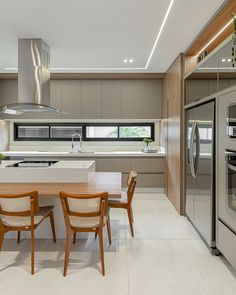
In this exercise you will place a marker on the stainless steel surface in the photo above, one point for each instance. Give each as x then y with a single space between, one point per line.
33 78
231 120
230 159
226 234
200 191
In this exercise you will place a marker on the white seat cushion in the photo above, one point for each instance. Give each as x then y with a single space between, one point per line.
123 199
20 221
26 220
83 222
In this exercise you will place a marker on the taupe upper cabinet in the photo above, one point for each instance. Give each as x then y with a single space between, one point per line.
91 99
71 102
151 99
131 99
111 99
96 99
55 100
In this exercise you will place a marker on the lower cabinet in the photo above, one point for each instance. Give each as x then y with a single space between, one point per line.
151 173
150 170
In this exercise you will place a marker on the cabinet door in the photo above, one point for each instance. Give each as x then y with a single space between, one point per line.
71 101
55 100
151 165
91 99
131 99
111 99
151 99
196 89
113 165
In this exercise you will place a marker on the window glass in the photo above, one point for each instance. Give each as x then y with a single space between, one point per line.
134 131
101 131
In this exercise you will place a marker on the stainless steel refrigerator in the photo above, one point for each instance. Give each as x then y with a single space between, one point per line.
200 170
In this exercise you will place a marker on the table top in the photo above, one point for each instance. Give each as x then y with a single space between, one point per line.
98 182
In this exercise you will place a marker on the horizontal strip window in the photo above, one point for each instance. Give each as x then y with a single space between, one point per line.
87 131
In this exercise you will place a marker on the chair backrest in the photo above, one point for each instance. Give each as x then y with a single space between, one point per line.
19 204
83 205
131 182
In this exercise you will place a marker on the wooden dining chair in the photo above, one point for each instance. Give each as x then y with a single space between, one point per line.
21 212
126 201
85 213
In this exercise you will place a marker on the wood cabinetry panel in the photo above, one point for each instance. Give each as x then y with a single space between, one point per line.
174 131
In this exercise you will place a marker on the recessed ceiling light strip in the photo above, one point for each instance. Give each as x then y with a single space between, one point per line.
130 60
159 33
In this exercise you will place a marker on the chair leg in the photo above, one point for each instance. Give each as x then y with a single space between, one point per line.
74 238
130 221
101 249
52 226
32 251
1 239
18 236
96 234
109 229
67 251
132 215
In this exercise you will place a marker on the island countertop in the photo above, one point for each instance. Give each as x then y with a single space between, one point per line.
88 154
61 171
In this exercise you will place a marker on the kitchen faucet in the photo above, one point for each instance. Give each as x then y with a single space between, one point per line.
80 149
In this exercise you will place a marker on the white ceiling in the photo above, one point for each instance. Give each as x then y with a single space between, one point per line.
96 35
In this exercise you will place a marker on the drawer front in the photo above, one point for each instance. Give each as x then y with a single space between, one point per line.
151 165
227 243
113 165
147 180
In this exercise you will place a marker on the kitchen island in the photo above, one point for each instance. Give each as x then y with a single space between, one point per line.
84 180
150 166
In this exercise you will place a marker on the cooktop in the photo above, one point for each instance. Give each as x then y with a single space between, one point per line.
33 164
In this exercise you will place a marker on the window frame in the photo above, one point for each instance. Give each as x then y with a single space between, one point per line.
84 125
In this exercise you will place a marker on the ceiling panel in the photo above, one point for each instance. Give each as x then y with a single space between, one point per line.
97 35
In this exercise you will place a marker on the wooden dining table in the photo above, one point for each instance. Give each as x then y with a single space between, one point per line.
98 182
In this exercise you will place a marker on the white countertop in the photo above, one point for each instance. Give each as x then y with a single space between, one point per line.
84 155
62 171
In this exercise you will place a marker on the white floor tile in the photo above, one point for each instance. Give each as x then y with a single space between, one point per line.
165 257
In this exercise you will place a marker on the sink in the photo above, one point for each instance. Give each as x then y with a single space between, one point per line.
83 152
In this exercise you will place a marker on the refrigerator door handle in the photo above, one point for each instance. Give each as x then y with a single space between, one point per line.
191 150
197 149
230 166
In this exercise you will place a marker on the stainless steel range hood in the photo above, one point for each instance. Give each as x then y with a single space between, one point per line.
33 78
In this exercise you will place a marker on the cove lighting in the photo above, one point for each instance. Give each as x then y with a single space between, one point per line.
130 60
216 35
